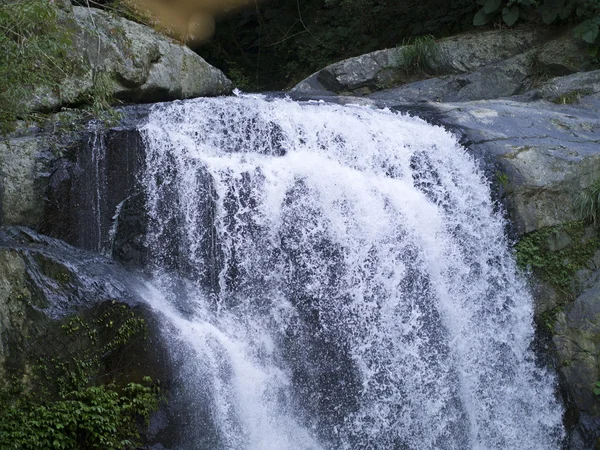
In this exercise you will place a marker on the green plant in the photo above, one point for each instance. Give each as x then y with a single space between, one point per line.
588 204
34 54
569 98
92 417
77 398
548 318
584 12
597 388
508 11
419 52
557 267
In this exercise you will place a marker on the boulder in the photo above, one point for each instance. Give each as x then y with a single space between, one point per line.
577 341
563 55
454 55
114 57
505 79
25 161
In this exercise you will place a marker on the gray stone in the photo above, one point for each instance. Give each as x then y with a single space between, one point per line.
24 170
569 89
577 339
454 55
564 55
128 61
504 79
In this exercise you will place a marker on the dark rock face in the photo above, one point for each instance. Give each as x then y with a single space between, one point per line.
88 187
44 284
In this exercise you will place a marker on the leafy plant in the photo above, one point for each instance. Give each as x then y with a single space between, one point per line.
588 204
557 267
92 417
508 11
34 53
418 53
586 12
76 400
597 388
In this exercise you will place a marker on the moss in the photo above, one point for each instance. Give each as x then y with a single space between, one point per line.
557 266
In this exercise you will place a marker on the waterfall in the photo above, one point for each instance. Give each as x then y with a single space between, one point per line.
336 277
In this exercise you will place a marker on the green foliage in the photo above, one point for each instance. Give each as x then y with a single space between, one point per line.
34 49
584 12
588 204
68 402
92 417
418 52
558 268
509 11
597 388
548 318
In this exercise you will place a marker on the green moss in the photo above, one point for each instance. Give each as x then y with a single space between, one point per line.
557 267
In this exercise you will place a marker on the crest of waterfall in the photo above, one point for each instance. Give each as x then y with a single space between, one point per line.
335 277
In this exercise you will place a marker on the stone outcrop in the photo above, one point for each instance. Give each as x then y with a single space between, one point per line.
59 303
25 161
472 66
120 59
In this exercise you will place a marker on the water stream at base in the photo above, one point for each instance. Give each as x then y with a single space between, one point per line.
335 277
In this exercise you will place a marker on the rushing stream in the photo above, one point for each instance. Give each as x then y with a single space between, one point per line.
335 277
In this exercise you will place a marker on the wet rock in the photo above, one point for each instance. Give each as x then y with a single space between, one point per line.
25 162
563 56
59 303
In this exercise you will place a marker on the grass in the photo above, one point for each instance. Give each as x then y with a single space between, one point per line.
588 204
418 53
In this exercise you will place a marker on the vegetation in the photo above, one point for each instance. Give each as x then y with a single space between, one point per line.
586 13
78 399
557 267
34 54
279 42
91 417
418 51
588 204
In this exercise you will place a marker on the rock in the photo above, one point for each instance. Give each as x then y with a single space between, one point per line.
58 303
88 185
115 57
25 162
504 79
569 89
455 55
563 56
577 340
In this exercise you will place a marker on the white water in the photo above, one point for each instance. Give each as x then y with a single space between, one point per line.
343 282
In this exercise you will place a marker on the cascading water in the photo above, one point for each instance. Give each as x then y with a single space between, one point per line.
335 277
